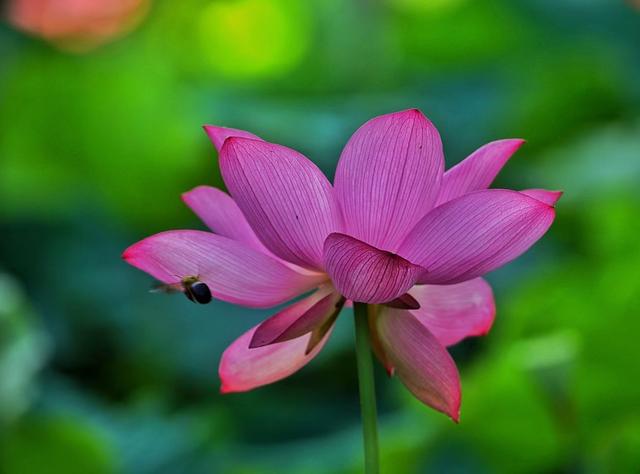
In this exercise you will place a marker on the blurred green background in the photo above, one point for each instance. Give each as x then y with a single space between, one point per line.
99 134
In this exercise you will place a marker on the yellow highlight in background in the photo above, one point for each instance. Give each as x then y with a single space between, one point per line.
254 38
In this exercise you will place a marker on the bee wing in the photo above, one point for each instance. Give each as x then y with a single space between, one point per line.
166 288
160 287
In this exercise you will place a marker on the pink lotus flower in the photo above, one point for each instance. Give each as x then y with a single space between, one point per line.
395 231
76 25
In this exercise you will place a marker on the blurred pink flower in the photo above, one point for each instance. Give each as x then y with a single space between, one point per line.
395 230
76 25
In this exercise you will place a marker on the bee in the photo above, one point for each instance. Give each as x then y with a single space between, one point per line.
194 289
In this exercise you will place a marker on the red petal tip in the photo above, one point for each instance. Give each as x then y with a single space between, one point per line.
207 126
560 194
455 413
518 142
126 255
185 195
553 204
412 111
130 252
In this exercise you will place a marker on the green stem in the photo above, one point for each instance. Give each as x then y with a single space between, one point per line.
367 389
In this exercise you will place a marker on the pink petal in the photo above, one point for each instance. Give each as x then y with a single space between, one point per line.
475 233
299 318
285 197
478 170
389 176
548 197
218 135
222 215
233 271
364 273
420 361
242 368
453 312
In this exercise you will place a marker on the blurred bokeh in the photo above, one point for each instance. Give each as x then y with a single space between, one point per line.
100 107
